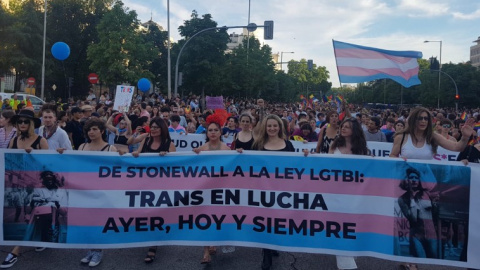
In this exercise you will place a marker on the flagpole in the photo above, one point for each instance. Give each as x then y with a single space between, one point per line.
336 63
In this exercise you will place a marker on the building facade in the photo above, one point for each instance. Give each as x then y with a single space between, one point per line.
475 54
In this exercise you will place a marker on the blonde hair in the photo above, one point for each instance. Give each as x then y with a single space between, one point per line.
263 136
31 128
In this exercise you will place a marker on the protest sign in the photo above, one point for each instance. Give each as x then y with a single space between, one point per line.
214 102
348 205
123 98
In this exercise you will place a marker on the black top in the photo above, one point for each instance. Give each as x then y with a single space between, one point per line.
76 128
288 147
470 153
120 139
106 147
244 145
164 147
35 144
326 142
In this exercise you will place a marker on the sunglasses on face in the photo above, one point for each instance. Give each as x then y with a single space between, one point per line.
24 121
446 126
420 118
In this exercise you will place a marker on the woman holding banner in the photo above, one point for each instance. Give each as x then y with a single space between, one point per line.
213 143
25 123
271 137
351 141
328 133
158 141
244 138
94 130
419 141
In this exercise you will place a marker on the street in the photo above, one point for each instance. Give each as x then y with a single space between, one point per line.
183 258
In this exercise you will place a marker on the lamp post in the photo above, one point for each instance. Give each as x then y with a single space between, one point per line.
281 59
439 69
169 61
42 96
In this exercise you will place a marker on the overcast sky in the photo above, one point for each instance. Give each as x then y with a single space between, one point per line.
307 27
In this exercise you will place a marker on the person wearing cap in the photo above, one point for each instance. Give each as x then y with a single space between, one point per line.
87 111
74 128
25 123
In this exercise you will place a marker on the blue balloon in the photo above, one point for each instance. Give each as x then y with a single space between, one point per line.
143 85
60 51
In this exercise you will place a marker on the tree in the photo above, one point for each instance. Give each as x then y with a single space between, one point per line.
311 81
203 56
121 55
155 35
23 53
252 71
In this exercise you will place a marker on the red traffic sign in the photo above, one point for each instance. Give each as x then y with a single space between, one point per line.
31 81
93 78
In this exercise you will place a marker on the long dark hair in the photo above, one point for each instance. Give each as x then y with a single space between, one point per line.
164 134
412 124
359 143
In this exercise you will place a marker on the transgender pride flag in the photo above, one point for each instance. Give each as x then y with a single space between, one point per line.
356 64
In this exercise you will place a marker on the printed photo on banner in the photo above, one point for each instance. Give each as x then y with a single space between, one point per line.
432 212
35 204
123 98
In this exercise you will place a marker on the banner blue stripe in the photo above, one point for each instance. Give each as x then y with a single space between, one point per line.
414 80
344 45
365 241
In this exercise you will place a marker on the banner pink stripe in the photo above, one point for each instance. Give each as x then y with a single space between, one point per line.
368 54
358 71
370 186
98 217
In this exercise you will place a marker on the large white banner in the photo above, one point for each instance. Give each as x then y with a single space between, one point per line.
379 149
423 212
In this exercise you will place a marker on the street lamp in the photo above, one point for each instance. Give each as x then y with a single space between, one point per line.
42 95
281 59
439 69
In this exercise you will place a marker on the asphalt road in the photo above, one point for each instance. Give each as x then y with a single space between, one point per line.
182 258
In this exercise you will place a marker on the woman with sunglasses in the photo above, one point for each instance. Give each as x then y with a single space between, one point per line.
445 128
25 122
157 141
419 141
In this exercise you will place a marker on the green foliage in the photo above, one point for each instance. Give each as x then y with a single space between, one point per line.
203 57
308 82
251 70
121 55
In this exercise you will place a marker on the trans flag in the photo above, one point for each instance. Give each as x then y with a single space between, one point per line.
356 64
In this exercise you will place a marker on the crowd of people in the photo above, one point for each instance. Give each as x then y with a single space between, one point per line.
93 125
